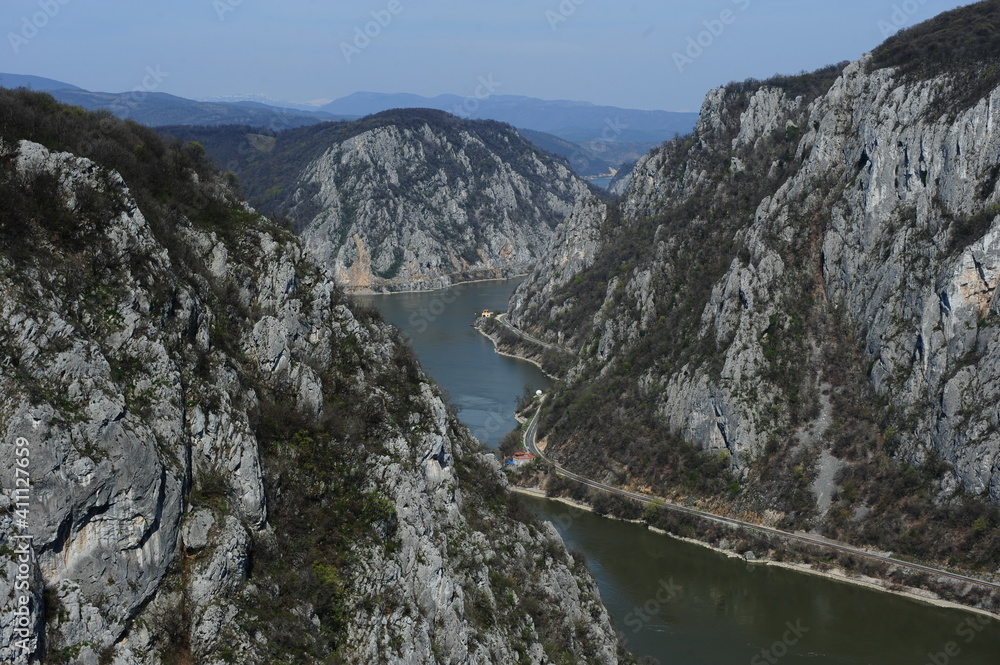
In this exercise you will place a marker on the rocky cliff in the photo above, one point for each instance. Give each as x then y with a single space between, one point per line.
406 199
224 459
572 250
806 288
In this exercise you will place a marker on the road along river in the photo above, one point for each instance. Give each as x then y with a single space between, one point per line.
675 602
484 385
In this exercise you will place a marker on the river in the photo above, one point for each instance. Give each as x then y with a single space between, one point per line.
674 602
481 383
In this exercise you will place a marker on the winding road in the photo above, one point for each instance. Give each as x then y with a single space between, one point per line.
530 444
501 318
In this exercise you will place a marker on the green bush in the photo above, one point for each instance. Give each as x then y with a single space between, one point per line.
966 231
963 44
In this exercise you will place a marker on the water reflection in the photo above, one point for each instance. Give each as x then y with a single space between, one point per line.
681 603
674 602
482 384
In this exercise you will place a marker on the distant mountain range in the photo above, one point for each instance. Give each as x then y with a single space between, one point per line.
595 139
34 83
572 121
311 107
591 158
158 109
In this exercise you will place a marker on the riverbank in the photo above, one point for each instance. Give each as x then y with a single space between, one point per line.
494 337
825 570
840 575
828 559
845 620
551 362
483 386
369 292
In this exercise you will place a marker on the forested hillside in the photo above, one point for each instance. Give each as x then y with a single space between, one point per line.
230 461
792 313
407 199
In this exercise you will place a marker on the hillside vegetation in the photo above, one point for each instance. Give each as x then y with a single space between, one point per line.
237 463
963 44
267 174
791 314
406 199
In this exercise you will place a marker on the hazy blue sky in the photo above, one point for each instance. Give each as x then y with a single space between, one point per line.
618 52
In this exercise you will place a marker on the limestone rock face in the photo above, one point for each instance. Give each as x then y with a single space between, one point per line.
430 202
863 202
162 379
572 250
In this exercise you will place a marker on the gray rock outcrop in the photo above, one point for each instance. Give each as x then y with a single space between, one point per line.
416 206
572 250
186 395
867 207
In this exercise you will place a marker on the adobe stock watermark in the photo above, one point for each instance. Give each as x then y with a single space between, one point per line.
902 15
153 77
365 35
487 88
495 423
223 7
23 555
562 13
421 319
968 630
704 40
22 483
34 24
641 616
781 647
612 131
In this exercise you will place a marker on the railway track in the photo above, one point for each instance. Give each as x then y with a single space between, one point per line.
530 444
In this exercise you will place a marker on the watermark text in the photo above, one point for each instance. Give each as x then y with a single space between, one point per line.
32 25
487 88
902 15
365 35
781 647
704 40
22 548
562 13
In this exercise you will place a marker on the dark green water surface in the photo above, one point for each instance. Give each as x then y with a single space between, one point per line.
483 384
677 603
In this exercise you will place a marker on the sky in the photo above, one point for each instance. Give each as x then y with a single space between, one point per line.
645 54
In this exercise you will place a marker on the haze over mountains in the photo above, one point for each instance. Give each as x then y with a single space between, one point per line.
595 139
39 83
790 316
573 121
